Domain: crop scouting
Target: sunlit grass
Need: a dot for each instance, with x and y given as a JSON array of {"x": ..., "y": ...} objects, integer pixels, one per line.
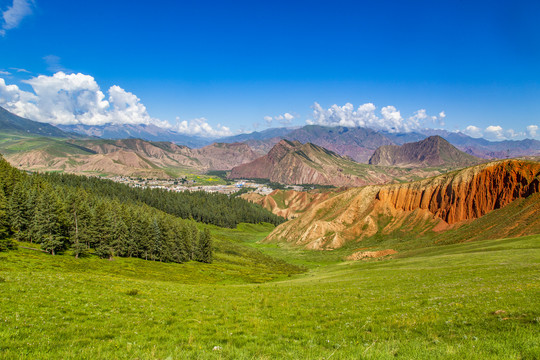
[{"x": 472, "y": 301}]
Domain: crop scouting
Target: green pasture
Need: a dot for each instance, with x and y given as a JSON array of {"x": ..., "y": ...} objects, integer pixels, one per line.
[{"x": 478, "y": 300}]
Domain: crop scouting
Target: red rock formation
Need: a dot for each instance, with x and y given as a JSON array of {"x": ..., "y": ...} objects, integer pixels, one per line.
[
  {"x": 468, "y": 195},
  {"x": 415, "y": 208}
]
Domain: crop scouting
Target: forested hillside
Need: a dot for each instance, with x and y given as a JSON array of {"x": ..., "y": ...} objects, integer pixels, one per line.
[
  {"x": 209, "y": 208},
  {"x": 41, "y": 209}
]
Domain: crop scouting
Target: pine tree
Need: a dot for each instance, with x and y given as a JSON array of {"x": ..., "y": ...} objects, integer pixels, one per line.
[
  {"x": 120, "y": 236},
  {"x": 47, "y": 223},
  {"x": 157, "y": 244},
  {"x": 5, "y": 242},
  {"x": 103, "y": 224},
  {"x": 80, "y": 223},
  {"x": 205, "y": 247}
]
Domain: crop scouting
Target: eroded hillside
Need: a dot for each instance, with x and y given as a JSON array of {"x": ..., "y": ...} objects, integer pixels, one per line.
[{"x": 415, "y": 209}]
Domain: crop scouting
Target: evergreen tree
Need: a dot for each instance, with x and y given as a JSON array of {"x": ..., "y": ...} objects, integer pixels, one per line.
[
  {"x": 205, "y": 247},
  {"x": 47, "y": 223},
  {"x": 80, "y": 220},
  {"x": 120, "y": 236},
  {"x": 103, "y": 224},
  {"x": 5, "y": 242}
]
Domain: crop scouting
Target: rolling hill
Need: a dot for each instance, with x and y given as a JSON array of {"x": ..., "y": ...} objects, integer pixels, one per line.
[{"x": 432, "y": 151}]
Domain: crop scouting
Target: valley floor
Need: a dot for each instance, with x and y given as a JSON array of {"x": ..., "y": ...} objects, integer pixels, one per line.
[{"x": 477, "y": 300}]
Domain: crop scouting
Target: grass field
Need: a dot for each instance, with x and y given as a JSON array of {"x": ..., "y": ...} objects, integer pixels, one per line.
[{"x": 476, "y": 300}]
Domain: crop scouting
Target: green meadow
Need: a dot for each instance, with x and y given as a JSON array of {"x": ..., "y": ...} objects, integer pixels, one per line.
[{"x": 478, "y": 300}]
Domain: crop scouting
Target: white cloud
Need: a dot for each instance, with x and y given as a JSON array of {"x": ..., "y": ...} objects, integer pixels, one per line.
[
  {"x": 494, "y": 132},
  {"x": 15, "y": 13},
  {"x": 2, "y": 72},
  {"x": 200, "y": 127},
  {"x": 77, "y": 99},
  {"x": 74, "y": 99},
  {"x": 498, "y": 133},
  {"x": 532, "y": 130},
  {"x": 284, "y": 119},
  {"x": 17, "y": 101},
  {"x": 365, "y": 116},
  {"x": 473, "y": 131}
]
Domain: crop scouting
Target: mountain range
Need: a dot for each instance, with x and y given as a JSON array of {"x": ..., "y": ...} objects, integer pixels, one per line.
[
  {"x": 307, "y": 155},
  {"x": 139, "y": 131},
  {"x": 291, "y": 162},
  {"x": 354, "y": 142}
]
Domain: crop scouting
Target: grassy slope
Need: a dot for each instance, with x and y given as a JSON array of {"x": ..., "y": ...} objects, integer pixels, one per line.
[{"x": 439, "y": 303}]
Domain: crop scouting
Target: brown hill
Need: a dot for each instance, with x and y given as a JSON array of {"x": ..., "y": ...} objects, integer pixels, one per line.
[
  {"x": 221, "y": 156},
  {"x": 430, "y": 152},
  {"x": 505, "y": 191},
  {"x": 216, "y": 156},
  {"x": 129, "y": 157},
  {"x": 291, "y": 162}
]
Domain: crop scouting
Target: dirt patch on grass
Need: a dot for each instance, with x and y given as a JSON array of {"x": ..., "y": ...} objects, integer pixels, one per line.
[{"x": 361, "y": 255}]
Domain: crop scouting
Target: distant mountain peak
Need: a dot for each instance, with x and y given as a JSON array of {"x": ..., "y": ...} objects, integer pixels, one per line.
[{"x": 432, "y": 151}]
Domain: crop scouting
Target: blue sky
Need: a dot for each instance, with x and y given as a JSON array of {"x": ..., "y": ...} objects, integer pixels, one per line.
[{"x": 469, "y": 65}]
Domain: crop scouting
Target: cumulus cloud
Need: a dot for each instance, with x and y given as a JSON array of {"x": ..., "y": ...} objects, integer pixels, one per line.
[
  {"x": 473, "y": 131},
  {"x": 494, "y": 132},
  {"x": 365, "y": 115},
  {"x": 532, "y": 130},
  {"x": 14, "y": 14},
  {"x": 200, "y": 127},
  {"x": 498, "y": 133},
  {"x": 284, "y": 119},
  {"x": 74, "y": 99},
  {"x": 69, "y": 99}
]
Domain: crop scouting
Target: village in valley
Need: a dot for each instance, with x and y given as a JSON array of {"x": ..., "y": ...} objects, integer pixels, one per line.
[{"x": 181, "y": 185}]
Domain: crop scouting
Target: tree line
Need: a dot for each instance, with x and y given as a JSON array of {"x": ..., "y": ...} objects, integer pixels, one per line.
[
  {"x": 42, "y": 209},
  {"x": 210, "y": 208}
]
